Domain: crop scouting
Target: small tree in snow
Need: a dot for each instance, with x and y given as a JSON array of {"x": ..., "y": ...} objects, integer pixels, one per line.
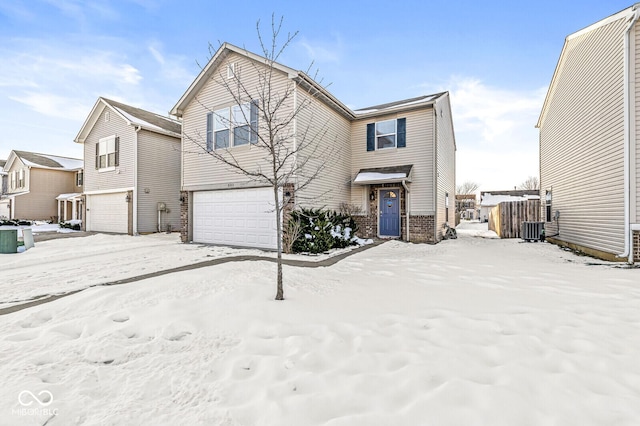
[{"x": 289, "y": 157}]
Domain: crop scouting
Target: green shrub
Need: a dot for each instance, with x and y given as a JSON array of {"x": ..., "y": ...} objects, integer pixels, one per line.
[{"x": 320, "y": 230}]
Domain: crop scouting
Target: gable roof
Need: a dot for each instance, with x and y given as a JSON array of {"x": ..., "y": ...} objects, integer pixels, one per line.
[
  {"x": 136, "y": 117},
  {"x": 627, "y": 13},
  {"x": 45, "y": 161},
  {"x": 402, "y": 105},
  {"x": 225, "y": 50}
]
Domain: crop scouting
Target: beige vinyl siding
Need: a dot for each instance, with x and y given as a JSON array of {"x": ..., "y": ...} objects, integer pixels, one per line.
[
  {"x": 635, "y": 142},
  {"x": 201, "y": 170},
  {"x": 582, "y": 140},
  {"x": 419, "y": 152},
  {"x": 159, "y": 173},
  {"x": 123, "y": 175},
  {"x": 446, "y": 165},
  {"x": 325, "y": 136},
  {"x": 45, "y": 185},
  {"x": 13, "y": 186}
]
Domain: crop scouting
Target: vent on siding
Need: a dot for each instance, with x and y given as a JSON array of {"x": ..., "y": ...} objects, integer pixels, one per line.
[
  {"x": 106, "y": 116},
  {"x": 231, "y": 70}
]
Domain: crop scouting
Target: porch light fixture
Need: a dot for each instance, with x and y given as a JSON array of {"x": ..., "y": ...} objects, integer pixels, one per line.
[
  {"x": 372, "y": 195},
  {"x": 127, "y": 198}
]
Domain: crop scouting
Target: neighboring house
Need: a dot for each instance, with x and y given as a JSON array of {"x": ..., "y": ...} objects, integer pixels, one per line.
[
  {"x": 35, "y": 181},
  {"x": 590, "y": 141},
  {"x": 4, "y": 206},
  {"x": 394, "y": 162},
  {"x": 132, "y": 173},
  {"x": 466, "y": 206},
  {"x": 490, "y": 199}
]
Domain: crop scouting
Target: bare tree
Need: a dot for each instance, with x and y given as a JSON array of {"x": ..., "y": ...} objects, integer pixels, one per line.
[
  {"x": 290, "y": 157},
  {"x": 531, "y": 182},
  {"x": 467, "y": 188}
]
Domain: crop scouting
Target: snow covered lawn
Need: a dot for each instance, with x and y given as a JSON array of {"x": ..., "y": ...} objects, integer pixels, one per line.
[{"x": 473, "y": 331}]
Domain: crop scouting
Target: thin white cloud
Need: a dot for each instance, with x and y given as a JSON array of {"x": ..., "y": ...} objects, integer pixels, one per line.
[
  {"x": 322, "y": 51},
  {"x": 53, "y": 105},
  {"x": 157, "y": 55}
]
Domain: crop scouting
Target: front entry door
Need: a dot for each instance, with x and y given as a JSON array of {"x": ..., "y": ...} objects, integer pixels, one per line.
[{"x": 390, "y": 213}]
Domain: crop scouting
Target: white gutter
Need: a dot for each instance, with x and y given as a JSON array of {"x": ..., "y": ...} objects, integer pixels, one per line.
[
  {"x": 407, "y": 206},
  {"x": 135, "y": 181},
  {"x": 627, "y": 135}
]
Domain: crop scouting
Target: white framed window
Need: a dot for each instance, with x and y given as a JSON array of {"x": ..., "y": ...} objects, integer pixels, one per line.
[
  {"x": 386, "y": 134},
  {"x": 221, "y": 124},
  {"x": 21, "y": 182},
  {"x": 79, "y": 178},
  {"x": 232, "y": 126},
  {"x": 549, "y": 217},
  {"x": 231, "y": 70},
  {"x": 107, "y": 153}
]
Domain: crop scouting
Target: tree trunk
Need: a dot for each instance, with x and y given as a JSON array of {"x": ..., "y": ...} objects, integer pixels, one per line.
[{"x": 280, "y": 291}]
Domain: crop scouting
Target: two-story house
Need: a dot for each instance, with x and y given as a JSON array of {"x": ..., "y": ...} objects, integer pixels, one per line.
[
  {"x": 590, "y": 141},
  {"x": 132, "y": 173},
  {"x": 394, "y": 162},
  {"x": 4, "y": 205},
  {"x": 35, "y": 181}
]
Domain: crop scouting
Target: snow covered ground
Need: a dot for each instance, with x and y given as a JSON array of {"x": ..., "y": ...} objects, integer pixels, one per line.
[{"x": 472, "y": 331}]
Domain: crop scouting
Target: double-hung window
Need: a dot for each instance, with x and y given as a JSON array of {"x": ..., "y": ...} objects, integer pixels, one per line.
[
  {"x": 107, "y": 153},
  {"x": 386, "y": 134},
  {"x": 79, "y": 178},
  {"x": 232, "y": 126},
  {"x": 548, "y": 215}
]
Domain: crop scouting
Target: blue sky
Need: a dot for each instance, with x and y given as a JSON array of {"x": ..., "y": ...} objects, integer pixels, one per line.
[{"x": 496, "y": 59}]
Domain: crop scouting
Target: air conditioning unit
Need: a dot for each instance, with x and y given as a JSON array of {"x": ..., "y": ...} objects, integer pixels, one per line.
[{"x": 533, "y": 231}]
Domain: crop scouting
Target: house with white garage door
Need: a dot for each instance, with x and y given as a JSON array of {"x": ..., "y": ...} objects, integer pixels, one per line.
[
  {"x": 393, "y": 162},
  {"x": 132, "y": 169}
]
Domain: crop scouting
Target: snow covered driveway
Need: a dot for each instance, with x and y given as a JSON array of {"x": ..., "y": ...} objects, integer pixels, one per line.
[{"x": 471, "y": 331}]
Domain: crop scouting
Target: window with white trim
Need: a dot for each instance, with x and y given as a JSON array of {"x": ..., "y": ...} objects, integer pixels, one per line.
[
  {"x": 21, "y": 182},
  {"x": 232, "y": 126},
  {"x": 386, "y": 134},
  {"x": 548, "y": 215},
  {"x": 79, "y": 178},
  {"x": 107, "y": 153}
]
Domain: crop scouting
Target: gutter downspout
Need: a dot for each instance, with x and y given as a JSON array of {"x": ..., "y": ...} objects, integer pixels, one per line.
[
  {"x": 407, "y": 207},
  {"x": 135, "y": 181},
  {"x": 627, "y": 135}
]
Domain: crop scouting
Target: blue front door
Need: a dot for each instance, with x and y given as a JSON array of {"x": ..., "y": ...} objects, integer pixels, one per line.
[{"x": 390, "y": 213}]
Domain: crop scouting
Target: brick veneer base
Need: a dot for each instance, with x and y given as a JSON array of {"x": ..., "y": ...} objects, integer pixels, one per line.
[
  {"x": 421, "y": 228},
  {"x": 636, "y": 246},
  {"x": 184, "y": 216}
]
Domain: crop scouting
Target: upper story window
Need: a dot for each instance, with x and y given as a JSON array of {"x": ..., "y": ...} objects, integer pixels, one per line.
[
  {"x": 79, "y": 178},
  {"x": 386, "y": 134},
  {"x": 18, "y": 179},
  {"x": 232, "y": 126},
  {"x": 108, "y": 153}
]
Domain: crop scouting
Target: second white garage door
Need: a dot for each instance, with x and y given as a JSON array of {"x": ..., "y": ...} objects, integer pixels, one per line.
[
  {"x": 235, "y": 217},
  {"x": 108, "y": 213}
]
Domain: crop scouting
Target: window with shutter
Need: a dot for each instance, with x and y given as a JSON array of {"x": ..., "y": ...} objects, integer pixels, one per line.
[
  {"x": 232, "y": 126},
  {"x": 386, "y": 134},
  {"x": 108, "y": 153}
]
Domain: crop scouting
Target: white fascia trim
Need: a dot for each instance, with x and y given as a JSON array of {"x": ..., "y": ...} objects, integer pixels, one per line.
[
  {"x": 108, "y": 191},
  {"x": 635, "y": 226},
  {"x": 606, "y": 21}
]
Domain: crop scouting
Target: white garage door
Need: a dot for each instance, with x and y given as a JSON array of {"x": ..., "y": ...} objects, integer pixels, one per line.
[
  {"x": 108, "y": 213},
  {"x": 236, "y": 217}
]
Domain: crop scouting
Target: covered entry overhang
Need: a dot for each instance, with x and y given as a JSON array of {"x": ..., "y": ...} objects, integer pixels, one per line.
[
  {"x": 63, "y": 199},
  {"x": 380, "y": 175}
]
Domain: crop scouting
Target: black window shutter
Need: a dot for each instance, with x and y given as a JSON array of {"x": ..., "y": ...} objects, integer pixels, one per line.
[
  {"x": 209, "y": 132},
  {"x": 402, "y": 132},
  {"x": 97, "y": 155},
  {"x": 371, "y": 137},
  {"x": 254, "y": 122},
  {"x": 117, "y": 154}
]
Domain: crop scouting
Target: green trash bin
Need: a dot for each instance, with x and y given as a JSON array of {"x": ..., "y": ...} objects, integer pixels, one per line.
[{"x": 8, "y": 241}]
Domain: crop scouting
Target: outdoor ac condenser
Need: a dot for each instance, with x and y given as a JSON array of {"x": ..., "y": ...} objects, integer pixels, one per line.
[{"x": 533, "y": 231}]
